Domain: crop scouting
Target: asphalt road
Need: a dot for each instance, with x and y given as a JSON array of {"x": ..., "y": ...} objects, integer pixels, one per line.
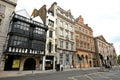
[{"x": 71, "y": 75}]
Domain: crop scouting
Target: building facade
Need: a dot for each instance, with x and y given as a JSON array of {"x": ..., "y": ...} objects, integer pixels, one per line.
[
  {"x": 84, "y": 44},
  {"x": 25, "y": 43},
  {"x": 6, "y": 9},
  {"x": 64, "y": 41},
  {"x": 50, "y": 41},
  {"x": 106, "y": 50}
]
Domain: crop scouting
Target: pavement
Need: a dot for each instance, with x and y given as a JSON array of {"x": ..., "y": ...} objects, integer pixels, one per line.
[{"x": 22, "y": 73}]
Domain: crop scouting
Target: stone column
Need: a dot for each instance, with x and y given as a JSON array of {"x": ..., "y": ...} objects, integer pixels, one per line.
[
  {"x": 43, "y": 63},
  {"x": 37, "y": 64},
  {"x": 22, "y": 60},
  {"x": 54, "y": 63}
]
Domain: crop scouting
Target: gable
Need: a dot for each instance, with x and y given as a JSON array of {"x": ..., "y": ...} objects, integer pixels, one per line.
[
  {"x": 23, "y": 12},
  {"x": 101, "y": 38}
]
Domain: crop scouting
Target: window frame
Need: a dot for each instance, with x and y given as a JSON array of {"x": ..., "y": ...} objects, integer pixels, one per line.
[{"x": 50, "y": 34}]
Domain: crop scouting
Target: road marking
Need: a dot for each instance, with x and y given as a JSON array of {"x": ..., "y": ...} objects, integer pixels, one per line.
[
  {"x": 72, "y": 78},
  {"x": 88, "y": 77},
  {"x": 98, "y": 73}
]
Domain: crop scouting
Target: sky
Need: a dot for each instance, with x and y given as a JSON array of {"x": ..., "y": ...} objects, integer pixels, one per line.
[{"x": 103, "y": 16}]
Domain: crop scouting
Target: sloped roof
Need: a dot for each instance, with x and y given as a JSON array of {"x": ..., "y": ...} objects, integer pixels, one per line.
[
  {"x": 101, "y": 38},
  {"x": 38, "y": 19},
  {"x": 23, "y": 12}
]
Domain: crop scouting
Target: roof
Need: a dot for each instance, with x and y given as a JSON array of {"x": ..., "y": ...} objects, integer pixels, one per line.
[{"x": 23, "y": 12}]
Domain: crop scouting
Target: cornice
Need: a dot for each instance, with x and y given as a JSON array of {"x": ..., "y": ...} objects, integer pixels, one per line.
[
  {"x": 65, "y": 18},
  {"x": 9, "y": 2}
]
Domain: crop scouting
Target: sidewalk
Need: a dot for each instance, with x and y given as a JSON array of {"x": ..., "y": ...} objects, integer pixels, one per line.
[{"x": 22, "y": 73}]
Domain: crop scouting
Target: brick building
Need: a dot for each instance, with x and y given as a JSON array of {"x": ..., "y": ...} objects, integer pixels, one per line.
[{"x": 84, "y": 44}]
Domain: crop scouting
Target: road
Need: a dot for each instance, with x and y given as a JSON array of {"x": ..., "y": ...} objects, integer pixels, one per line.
[{"x": 92, "y": 74}]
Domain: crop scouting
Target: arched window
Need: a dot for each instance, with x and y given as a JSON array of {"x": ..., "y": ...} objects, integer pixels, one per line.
[
  {"x": 86, "y": 59},
  {"x": 50, "y": 46},
  {"x": 82, "y": 57}
]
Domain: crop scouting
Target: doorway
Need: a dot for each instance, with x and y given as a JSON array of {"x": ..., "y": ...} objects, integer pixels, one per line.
[{"x": 30, "y": 64}]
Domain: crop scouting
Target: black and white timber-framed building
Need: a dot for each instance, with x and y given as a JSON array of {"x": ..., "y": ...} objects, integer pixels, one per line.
[{"x": 25, "y": 44}]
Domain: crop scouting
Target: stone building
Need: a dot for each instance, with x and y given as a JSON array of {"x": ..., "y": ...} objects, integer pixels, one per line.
[
  {"x": 107, "y": 51},
  {"x": 84, "y": 44},
  {"x": 25, "y": 43},
  {"x": 6, "y": 9},
  {"x": 48, "y": 18},
  {"x": 64, "y": 36},
  {"x": 50, "y": 40}
]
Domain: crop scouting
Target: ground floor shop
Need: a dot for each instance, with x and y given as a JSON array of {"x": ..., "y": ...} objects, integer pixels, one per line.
[
  {"x": 22, "y": 62},
  {"x": 67, "y": 59},
  {"x": 85, "y": 59},
  {"x": 50, "y": 62}
]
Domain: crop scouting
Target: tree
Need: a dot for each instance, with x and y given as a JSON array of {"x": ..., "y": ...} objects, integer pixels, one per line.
[{"x": 118, "y": 59}]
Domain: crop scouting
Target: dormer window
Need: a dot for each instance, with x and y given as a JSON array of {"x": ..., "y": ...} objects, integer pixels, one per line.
[
  {"x": 51, "y": 23},
  {"x": 51, "y": 13}
]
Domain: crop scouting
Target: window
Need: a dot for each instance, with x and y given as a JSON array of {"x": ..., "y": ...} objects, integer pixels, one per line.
[
  {"x": 61, "y": 56},
  {"x": 81, "y": 43},
  {"x": 21, "y": 25},
  {"x": 82, "y": 57},
  {"x": 71, "y": 28},
  {"x": 80, "y": 37},
  {"x": 84, "y": 45},
  {"x": 66, "y": 26},
  {"x": 51, "y": 13},
  {"x": 80, "y": 28},
  {"x": 38, "y": 45},
  {"x": 61, "y": 32},
  {"x": 67, "y": 59},
  {"x": 50, "y": 46},
  {"x": 51, "y": 23},
  {"x": 18, "y": 41},
  {"x": 76, "y": 37},
  {"x": 66, "y": 45},
  {"x": 83, "y": 30},
  {"x": 66, "y": 34},
  {"x": 77, "y": 44},
  {"x": 61, "y": 23},
  {"x": 61, "y": 44},
  {"x": 71, "y": 35},
  {"x": 50, "y": 34},
  {"x": 71, "y": 46},
  {"x": 39, "y": 30},
  {"x": 88, "y": 46},
  {"x": 86, "y": 57},
  {"x": 2, "y": 9}
]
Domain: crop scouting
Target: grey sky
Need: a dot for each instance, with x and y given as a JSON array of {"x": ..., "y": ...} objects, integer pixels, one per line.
[{"x": 103, "y": 16}]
